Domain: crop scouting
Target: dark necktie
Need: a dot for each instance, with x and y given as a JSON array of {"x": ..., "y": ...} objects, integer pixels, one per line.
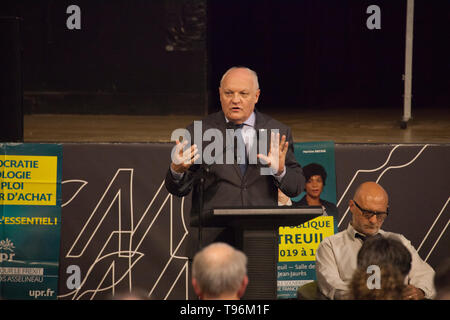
[
  {"x": 364, "y": 238},
  {"x": 360, "y": 236},
  {"x": 240, "y": 141}
]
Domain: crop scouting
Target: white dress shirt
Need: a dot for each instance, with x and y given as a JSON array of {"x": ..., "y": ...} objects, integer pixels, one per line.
[{"x": 336, "y": 261}]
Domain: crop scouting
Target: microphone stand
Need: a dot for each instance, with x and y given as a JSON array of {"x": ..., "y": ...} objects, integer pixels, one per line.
[
  {"x": 204, "y": 170},
  {"x": 200, "y": 174}
]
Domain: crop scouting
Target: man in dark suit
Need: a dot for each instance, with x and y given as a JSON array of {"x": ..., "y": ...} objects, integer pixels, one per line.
[{"x": 240, "y": 183}]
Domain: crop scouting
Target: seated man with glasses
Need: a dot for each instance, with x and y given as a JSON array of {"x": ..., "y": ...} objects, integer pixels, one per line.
[{"x": 336, "y": 255}]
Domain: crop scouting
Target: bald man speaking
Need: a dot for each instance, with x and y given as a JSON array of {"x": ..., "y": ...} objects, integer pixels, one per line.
[
  {"x": 242, "y": 182},
  {"x": 336, "y": 256}
]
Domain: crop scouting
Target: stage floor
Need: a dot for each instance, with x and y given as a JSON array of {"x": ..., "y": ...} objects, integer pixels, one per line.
[{"x": 340, "y": 126}]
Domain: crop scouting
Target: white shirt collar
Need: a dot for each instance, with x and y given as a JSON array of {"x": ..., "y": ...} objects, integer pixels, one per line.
[
  {"x": 249, "y": 122},
  {"x": 352, "y": 231}
]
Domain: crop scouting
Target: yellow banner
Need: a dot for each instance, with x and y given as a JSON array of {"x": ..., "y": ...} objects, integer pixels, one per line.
[
  {"x": 300, "y": 243},
  {"x": 28, "y": 180}
]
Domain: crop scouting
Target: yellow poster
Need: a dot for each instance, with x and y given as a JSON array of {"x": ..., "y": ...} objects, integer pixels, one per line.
[
  {"x": 28, "y": 180},
  {"x": 300, "y": 243}
]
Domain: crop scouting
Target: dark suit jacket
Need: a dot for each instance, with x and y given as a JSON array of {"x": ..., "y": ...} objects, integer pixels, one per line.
[{"x": 224, "y": 185}]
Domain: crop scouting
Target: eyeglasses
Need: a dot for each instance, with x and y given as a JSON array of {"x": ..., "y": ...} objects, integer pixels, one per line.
[{"x": 368, "y": 214}]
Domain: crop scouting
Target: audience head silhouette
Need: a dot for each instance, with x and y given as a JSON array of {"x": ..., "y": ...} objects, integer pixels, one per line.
[{"x": 219, "y": 272}]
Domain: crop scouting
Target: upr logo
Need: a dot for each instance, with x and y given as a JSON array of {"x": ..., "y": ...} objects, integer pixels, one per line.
[
  {"x": 6, "y": 245},
  {"x": 41, "y": 293}
]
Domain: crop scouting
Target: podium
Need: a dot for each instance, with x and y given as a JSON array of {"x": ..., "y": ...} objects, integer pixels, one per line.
[{"x": 256, "y": 234}]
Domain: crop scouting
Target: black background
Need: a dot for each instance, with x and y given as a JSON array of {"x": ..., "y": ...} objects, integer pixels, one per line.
[
  {"x": 320, "y": 54},
  {"x": 308, "y": 53}
]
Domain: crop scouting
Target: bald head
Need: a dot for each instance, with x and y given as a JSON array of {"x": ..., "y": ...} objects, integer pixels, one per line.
[
  {"x": 241, "y": 71},
  {"x": 217, "y": 254},
  {"x": 219, "y": 269},
  {"x": 369, "y": 196},
  {"x": 371, "y": 193},
  {"x": 239, "y": 93}
]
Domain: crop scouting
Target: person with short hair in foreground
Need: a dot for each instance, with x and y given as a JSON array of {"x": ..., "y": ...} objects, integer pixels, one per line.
[
  {"x": 442, "y": 280},
  {"x": 219, "y": 272},
  {"x": 383, "y": 264}
]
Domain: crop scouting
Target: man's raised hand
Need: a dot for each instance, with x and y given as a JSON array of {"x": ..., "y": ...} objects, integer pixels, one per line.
[
  {"x": 277, "y": 153},
  {"x": 183, "y": 159}
]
